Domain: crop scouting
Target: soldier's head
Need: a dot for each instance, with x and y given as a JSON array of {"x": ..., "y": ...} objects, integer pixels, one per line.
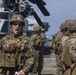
[
  {"x": 70, "y": 24},
  {"x": 63, "y": 27},
  {"x": 37, "y": 28},
  {"x": 17, "y": 22}
]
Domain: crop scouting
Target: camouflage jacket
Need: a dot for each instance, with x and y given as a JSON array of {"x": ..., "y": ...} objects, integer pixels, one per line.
[
  {"x": 69, "y": 55},
  {"x": 69, "y": 49},
  {"x": 38, "y": 41},
  {"x": 56, "y": 42},
  {"x": 22, "y": 47}
]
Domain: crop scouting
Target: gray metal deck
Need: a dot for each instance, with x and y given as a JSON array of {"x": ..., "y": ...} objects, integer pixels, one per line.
[{"x": 49, "y": 65}]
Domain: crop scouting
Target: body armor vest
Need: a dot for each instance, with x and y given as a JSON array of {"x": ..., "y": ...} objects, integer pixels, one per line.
[{"x": 13, "y": 53}]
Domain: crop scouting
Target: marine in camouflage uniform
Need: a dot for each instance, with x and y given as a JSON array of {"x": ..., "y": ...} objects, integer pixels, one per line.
[
  {"x": 57, "y": 44},
  {"x": 69, "y": 50},
  {"x": 38, "y": 45},
  {"x": 16, "y": 51}
]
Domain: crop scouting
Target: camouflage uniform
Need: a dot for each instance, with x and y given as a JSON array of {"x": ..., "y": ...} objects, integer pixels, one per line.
[
  {"x": 69, "y": 55},
  {"x": 38, "y": 44},
  {"x": 16, "y": 53},
  {"x": 69, "y": 50},
  {"x": 57, "y": 43}
]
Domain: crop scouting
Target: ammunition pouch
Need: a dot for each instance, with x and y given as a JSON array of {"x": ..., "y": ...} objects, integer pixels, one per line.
[
  {"x": 12, "y": 60},
  {"x": 7, "y": 60},
  {"x": 9, "y": 48}
]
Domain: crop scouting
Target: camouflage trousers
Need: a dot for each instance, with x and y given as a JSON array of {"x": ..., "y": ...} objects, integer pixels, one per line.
[
  {"x": 60, "y": 66},
  {"x": 38, "y": 63},
  {"x": 35, "y": 68}
]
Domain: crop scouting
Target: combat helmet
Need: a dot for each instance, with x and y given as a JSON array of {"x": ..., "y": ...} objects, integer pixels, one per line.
[
  {"x": 70, "y": 24},
  {"x": 17, "y": 18},
  {"x": 64, "y": 26},
  {"x": 37, "y": 28}
]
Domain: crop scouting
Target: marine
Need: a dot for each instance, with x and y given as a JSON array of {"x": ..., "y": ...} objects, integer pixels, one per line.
[
  {"x": 57, "y": 44},
  {"x": 38, "y": 45},
  {"x": 16, "y": 50},
  {"x": 69, "y": 51}
]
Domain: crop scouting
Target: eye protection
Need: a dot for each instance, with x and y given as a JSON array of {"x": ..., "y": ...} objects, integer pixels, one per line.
[{"x": 17, "y": 23}]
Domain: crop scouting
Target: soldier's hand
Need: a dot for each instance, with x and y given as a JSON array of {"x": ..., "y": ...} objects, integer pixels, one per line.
[{"x": 21, "y": 72}]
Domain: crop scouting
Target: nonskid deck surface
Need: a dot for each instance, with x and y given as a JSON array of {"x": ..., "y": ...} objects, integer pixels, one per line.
[{"x": 49, "y": 65}]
